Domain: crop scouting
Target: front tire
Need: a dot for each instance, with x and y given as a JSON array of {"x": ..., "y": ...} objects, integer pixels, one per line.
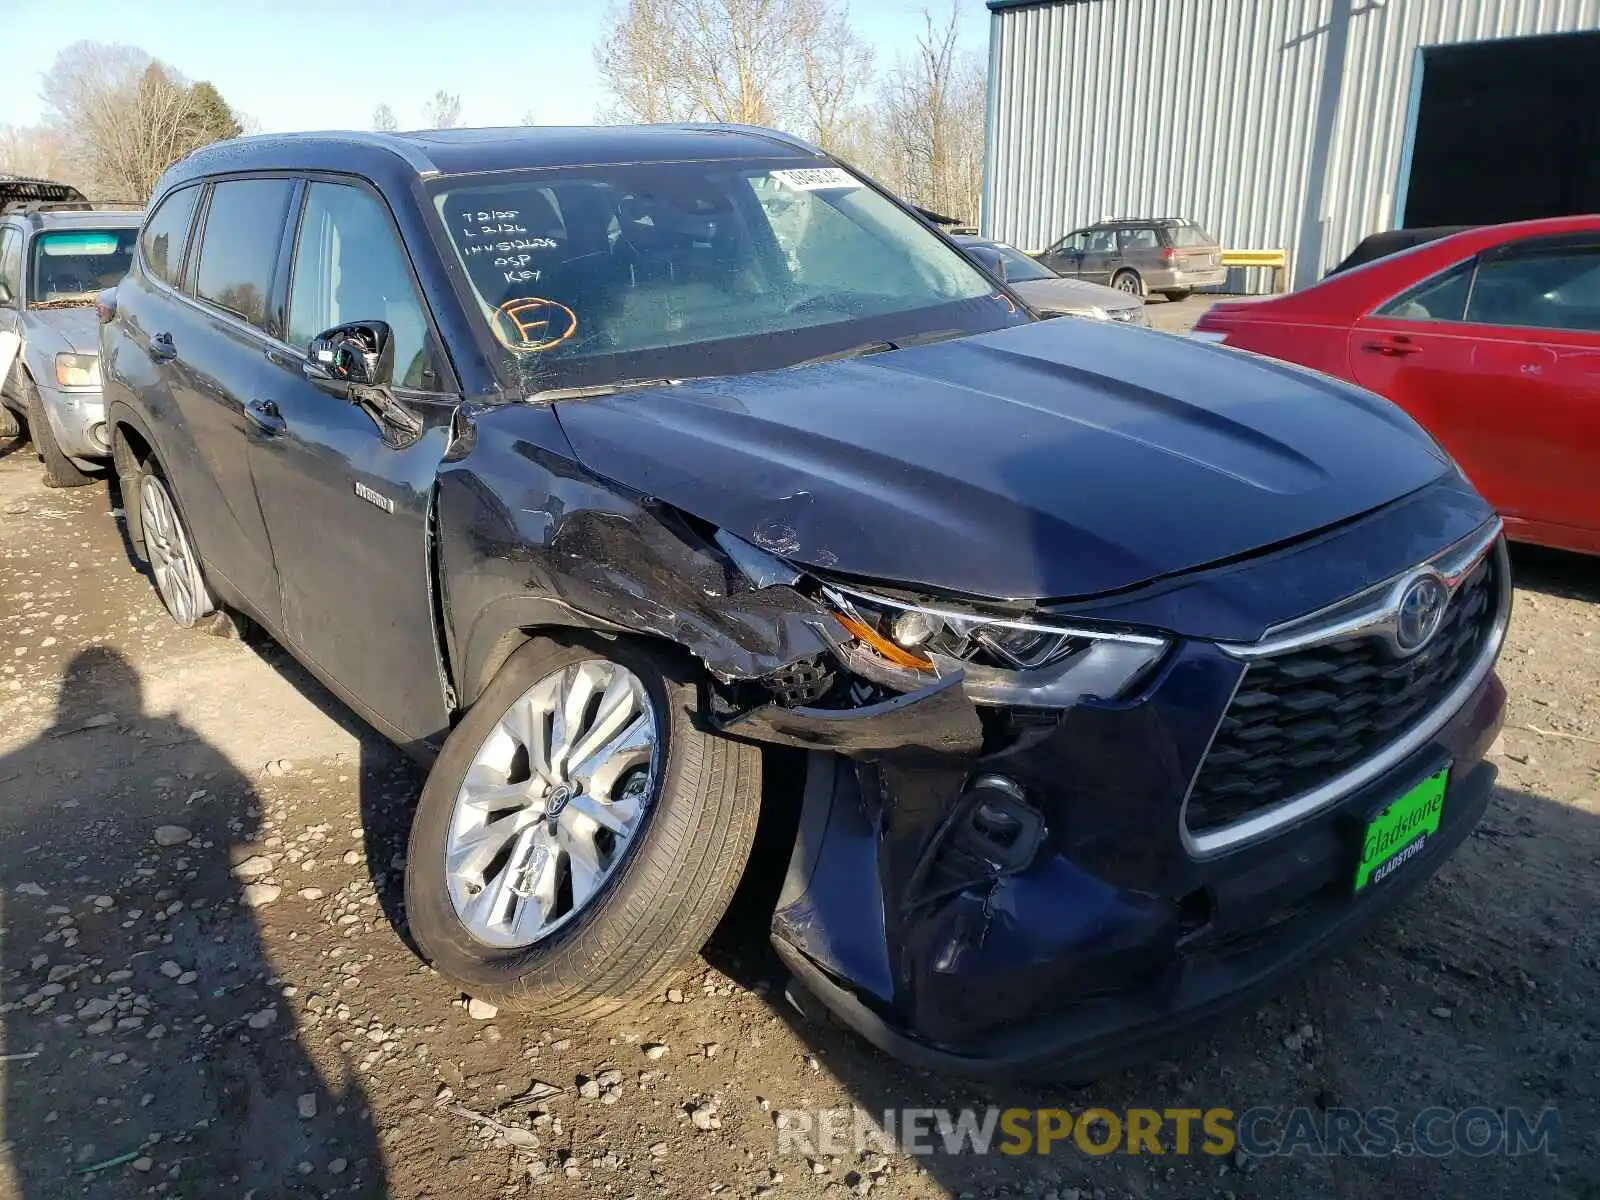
[
  {"x": 59, "y": 470},
  {"x": 579, "y": 837}
]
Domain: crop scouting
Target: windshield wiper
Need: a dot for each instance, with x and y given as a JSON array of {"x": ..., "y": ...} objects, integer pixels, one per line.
[
  {"x": 551, "y": 395},
  {"x": 883, "y": 346}
]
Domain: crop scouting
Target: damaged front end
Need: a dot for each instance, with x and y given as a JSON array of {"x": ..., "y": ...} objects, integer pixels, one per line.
[
  {"x": 998, "y": 867},
  {"x": 935, "y": 895}
]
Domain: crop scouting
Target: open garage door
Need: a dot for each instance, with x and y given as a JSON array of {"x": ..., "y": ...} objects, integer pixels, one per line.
[{"x": 1506, "y": 131}]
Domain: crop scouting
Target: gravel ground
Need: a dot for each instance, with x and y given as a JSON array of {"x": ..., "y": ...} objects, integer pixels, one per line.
[{"x": 206, "y": 990}]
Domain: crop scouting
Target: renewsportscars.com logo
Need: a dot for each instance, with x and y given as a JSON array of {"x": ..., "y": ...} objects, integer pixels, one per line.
[{"x": 1258, "y": 1132}]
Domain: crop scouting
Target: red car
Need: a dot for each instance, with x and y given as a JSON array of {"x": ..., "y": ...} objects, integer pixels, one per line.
[{"x": 1490, "y": 339}]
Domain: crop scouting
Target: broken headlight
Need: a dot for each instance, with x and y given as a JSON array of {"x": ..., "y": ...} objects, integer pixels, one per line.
[{"x": 1006, "y": 661}]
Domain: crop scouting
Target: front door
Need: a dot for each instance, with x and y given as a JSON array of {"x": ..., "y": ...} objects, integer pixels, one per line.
[
  {"x": 1501, "y": 362},
  {"x": 10, "y": 302},
  {"x": 1064, "y": 257},
  {"x": 346, "y": 498}
]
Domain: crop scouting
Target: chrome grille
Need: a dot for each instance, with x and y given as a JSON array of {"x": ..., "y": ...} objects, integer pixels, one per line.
[{"x": 1304, "y": 717}]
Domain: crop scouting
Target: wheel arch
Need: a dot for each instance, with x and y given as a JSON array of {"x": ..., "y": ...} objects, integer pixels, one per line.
[{"x": 131, "y": 447}]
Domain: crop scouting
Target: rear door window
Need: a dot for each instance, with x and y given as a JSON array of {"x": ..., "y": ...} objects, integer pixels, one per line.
[
  {"x": 1138, "y": 239},
  {"x": 1441, "y": 298},
  {"x": 239, "y": 248},
  {"x": 165, "y": 234}
]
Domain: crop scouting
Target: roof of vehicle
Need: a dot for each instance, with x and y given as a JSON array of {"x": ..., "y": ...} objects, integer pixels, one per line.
[
  {"x": 41, "y": 219},
  {"x": 435, "y": 152},
  {"x": 1125, "y": 222}
]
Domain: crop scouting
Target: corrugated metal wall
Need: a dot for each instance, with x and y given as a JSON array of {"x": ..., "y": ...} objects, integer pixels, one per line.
[{"x": 1275, "y": 123}]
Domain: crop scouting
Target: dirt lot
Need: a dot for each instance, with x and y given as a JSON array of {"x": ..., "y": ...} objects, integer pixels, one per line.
[{"x": 207, "y": 991}]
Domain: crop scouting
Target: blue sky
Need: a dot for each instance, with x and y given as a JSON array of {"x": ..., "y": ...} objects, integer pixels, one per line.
[{"x": 322, "y": 64}]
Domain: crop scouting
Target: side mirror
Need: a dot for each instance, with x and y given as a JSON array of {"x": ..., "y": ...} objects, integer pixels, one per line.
[
  {"x": 6, "y": 298},
  {"x": 361, "y": 352},
  {"x": 1000, "y": 268}
]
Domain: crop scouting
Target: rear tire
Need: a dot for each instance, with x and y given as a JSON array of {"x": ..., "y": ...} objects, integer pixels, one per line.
[
  {"x": 1176, "y": 294},
  {"x": 10, "y": 427},
  {"x": 174, "y": 563},
  {"x": 650, "y": 906},
  {"x": 1129, "y": 282},
  {"x": 59, "y": 470}
]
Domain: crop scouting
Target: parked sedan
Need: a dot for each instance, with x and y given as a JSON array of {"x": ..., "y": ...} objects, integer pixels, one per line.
[
  {"x": 1048, "y": 293},
  {"x": 1100, "y": 678},
  {"x": 54, "y": 259},
  {"x": 1490, "y": 338}
]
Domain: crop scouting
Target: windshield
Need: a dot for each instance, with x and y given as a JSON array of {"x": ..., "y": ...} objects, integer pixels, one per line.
[
  {"x": 71, "y": 266},
  {"x": 589, "y": 276}
]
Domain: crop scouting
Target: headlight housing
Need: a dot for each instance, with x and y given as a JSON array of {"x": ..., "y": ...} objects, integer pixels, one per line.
[
  {"x": 903, "y": 645},
  {"x": 78, "y": 370}
]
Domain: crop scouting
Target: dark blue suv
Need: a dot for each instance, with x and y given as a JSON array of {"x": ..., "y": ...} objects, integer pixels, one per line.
[{"x": 642, "y": 477}]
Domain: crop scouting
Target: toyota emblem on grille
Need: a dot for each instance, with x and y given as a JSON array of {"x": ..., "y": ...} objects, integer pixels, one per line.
[{"x": 1419, "y": 613}]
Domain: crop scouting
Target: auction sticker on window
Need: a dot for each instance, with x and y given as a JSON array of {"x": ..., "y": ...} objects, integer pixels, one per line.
[
  {"x": 816, "y": 179},
  {"x": 1397, "y": 834}
]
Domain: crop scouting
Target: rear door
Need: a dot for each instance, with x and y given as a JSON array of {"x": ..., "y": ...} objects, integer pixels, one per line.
[
  {"x": 1101, "y": 255},
  {"x": 212, "y": 348},
  {"x": 1500, "y": 359},
  {"x": 347, "y": 498}
]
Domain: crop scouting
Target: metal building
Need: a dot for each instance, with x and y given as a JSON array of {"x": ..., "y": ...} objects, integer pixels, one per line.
[{"x": 1295, "y": 124}]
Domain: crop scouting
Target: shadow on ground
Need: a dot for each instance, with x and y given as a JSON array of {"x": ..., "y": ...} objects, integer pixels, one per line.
[{"x": 148, "y": 1039}]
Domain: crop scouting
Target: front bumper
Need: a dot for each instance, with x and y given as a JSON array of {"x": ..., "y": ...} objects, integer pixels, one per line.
[
  {"x": 1117, "y": 934},
  {"x": 1145, "y": 975},
  {"x": 74, "y": 418}
]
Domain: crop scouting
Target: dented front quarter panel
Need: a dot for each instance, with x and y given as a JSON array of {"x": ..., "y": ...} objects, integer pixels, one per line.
[{"x": 530, "y": 540}]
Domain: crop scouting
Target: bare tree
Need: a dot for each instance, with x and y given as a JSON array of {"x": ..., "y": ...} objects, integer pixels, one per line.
[
  {"x": 932, "y": 113},
  {"x": 757, "y": 62},
  {"x": 126, "y": 117},
  {"x": 443, "y": 111},
  {"x": 43, "y": 151},
  {"x": 640, "y": 66},
  {"x": 383, "y": 119},
  {"x": 835, "y": 66}
]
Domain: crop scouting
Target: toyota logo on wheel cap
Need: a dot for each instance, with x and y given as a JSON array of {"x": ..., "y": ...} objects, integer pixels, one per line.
[{"x": 1419, "y": 613}]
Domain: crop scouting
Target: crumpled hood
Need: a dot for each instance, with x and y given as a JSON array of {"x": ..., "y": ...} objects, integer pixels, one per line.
[
  {"x": 76, "y": 329},
  {"x": 1051, "y": 460}
]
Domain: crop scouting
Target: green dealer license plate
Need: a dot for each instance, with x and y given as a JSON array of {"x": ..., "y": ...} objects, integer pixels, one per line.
[{"x": 1399, "y": 832}]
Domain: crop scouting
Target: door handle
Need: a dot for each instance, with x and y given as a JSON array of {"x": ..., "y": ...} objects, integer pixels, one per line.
[
  {"x": 1392, "y": 347},
  {"x": 161, "y": 347},
  {"x": 264, "y": 415}
]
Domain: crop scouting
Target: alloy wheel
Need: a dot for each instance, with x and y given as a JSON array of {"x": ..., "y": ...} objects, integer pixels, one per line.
[
  {"x": 172, "y": 561},
  {"x": 551, "y": 803}
]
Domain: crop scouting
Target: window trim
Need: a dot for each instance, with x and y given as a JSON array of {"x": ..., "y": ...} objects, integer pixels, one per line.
[
  {"x": 145, "y": 268},
  {"x": 446, "y": 381}
]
